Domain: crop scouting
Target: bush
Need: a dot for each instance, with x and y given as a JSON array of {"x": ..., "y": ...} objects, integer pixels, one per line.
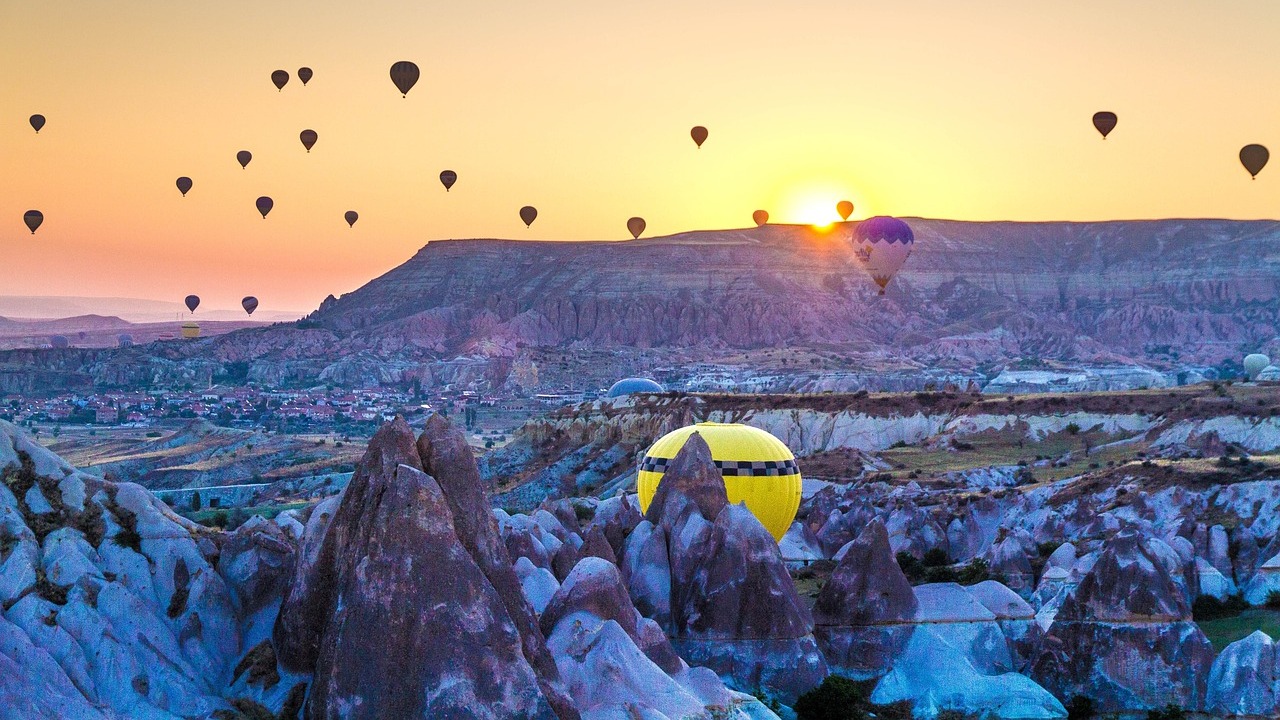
[
  {"x": 1170, "y": 712},
  {"x": 1081, "y": 708},
  {"x": 1208, "y": 607},
  {"x": 836, "y": 698},
  {"x": 1273, "y": 600},
  {"x": 936, "y": 557}
]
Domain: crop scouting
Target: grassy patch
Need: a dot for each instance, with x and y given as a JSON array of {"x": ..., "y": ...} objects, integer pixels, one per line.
[
  {"x": 1222, "y": 632},
  {"x": 269, "y": 511}
]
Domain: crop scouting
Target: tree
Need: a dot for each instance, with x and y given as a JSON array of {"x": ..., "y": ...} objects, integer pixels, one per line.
[{"x": 195, "y": 501}]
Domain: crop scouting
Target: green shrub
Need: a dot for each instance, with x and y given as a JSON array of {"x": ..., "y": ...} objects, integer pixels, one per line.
[
  {"x": 936, "y": 557},
  {"x": 837, "y": 698},
  {"x": 1208, "y": 607},
  {"x": 1170, "y": 712},
  {"x": 1081, "y": 708},
  {"x": 1273, "y": 600}
]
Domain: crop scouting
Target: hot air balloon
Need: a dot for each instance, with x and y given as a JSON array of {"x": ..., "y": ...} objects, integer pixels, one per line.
[
  {"x": 760, "y": 217},
  {"x": 279, "y": 78},
  {"x": 882, "y": 244},
  {"x": 60, "y": 342},
  {"x": 1254, "y": 364},
  {"x": 243, "y": 157},
  {"x": 1105, "y": 122},
  {"x": 192, "y": 302},
  {"x": 308, "y": 138},
  {"x": 1254, "y": 158},
  {"x": 190, "y": 330},
  {"x": 845, "y": 208},
  {"x": 757, "y": 468},
  {"x": 249, "y": 304},
  {"x": 264, "y": 205},
  {"x": 37, "y": 122},
  {"x": 184, "y": 185},
  {"x": 448, "y": 178},
  {"x": 33, "y": 218},
  {"x": 405, "y": 75},
  {"x": 124, "y": 340},
  {"x": 631, "y": 386},
  {"x": 635, "y": 226},
  {"x": 528, "y": 214},
  {"x": 304, "y": 74},
  {"x": 351, "y": 217},
  {"x": 699, "y": 134}
]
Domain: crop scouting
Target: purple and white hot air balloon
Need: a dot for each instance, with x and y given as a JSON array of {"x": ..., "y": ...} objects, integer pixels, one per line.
[{"x": 882, "y": 245}]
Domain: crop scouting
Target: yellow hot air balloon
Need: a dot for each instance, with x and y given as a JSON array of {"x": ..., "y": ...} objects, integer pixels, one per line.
[
  {"x": 758, "y": 469},
  {"x": 190, "y": 330}
]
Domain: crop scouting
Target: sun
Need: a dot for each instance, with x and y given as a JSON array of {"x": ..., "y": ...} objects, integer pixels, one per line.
[{"x": 818, "y": 212}]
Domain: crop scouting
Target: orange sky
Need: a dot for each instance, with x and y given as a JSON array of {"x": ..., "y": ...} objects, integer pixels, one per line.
[{"x": 976, "y": 110}]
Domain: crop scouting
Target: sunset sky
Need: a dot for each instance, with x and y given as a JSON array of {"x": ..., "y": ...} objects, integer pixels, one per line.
[{"x": 582, "y": 108}]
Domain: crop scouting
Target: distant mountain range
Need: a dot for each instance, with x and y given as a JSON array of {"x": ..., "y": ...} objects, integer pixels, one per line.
[
  {"x": 135, "y": 310},
  {"x": 1167, "y": 293}
]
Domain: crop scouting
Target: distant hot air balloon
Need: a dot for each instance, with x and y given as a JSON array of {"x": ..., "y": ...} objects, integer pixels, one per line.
[
  {"x": 243, "y": 157},
  {"x": 60, "y": 342},
  {"x": 882, "y": 244},
  {"x": 845, "y": 208},
  {"x": 192, "y": 302},
  {"x": 264, "y": 205},
  {"x": 37, "y": 122},
  {"x": 760, "y": 217},
  {"x": 304, "y": 74},
  {"x": 528, "y": 214},
  {"x": 699, "y": 134},
  {"x": 635, "y": 226},
  {"x": 249, "y": 304},
  {"x": 448, "y": 178},
  {"x": 184, "y": 185},
  {"x": 308, "y": 138},
  {"x": 280, "y": 78},
  {"x": 190, "y": 330},
  {"x": 1254, "y": 158},
  {"x": 124, "y": 340},
  {"x": 1105, "y": 122},
  {"x": 405, "y": 75},
  {"x": 351, "y": 217},
  {"x": 33, "y": 218}
]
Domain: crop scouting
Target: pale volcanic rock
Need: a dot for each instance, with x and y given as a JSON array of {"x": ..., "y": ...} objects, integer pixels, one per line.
[{"x": 1243, "y": 678}]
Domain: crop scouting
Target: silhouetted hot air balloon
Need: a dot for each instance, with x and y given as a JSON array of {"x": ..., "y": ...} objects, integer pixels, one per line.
[
  {"x": 33, "y": 218},
  {"x": 37, "y": 122},
  {"x": 304, "y": 74},
  {"x": 60, "y": 342},
  {"x": 760, "y": 217},
  {"x": 882, "y": 244},
  {"x": 192, "y": 302},
  {"x": 635, "y": 226},
  {"x": 280, "y": 78},
  {"x": 249, "y": 304},
  {"x": 528, "y": 214},
  {"x": 1254, "y": 158},
  {"x": 264, "y": 205},
  {"x": 699, "y": 134},
  {"x": 1105, "y": 122},
  {"x": 351, "y": 217},
  {"x": 243, "y": 157},
  {"x": 184, "y": 185},
  {"x": 308, "y": 138},
  {"x": 405, "y": 75},
  {"x": 448, "y": 178},
  {"x": 845, "y": 208}
]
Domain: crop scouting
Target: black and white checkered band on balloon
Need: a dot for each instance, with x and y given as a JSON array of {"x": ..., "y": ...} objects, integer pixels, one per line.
[{"x": 732, "y": 468}]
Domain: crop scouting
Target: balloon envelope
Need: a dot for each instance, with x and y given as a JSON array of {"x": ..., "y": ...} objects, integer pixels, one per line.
[
  {"x": 635, "y": 226},
  {"x": 249, "y": 304},
  {"x": 351, "y": 216},
  {"x": 448, "y": 178},
  {"x": 308, "y": 138},
  {"x": 279, "y": 78},
  {"x": 1254, "y": 158},
  {"x": 60, "y": 341},
  {"x": 37, "y": 122},
  {"x": 405, "y": 75},
  {"x": 882, "y": 244},
  {"x": 699, "y": 134},
  {"x": 1105, "y": 122},
  {"x": 845, "y": 208},
  {"x": 757, "y": 469},
  {"x": 184, "y": 185},
  {"x": 243, "y": 157},
  {"x": 760, "y": 217},
  {"x": 528, "y": 214},
  {"x": 33, "y": 218},
  {"x": 304, "y": 74},
  {"x": 192, "y": 302},
  {"x": 1254, "y": 364},
  {"x": 264, "y": 205}
]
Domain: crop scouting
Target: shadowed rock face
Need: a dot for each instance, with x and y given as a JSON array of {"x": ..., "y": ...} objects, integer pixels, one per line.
[
  {"x": 1124, "y": 636},
  {"x": 454, "y": 648},
  {"x": 692, "y": 475}
]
